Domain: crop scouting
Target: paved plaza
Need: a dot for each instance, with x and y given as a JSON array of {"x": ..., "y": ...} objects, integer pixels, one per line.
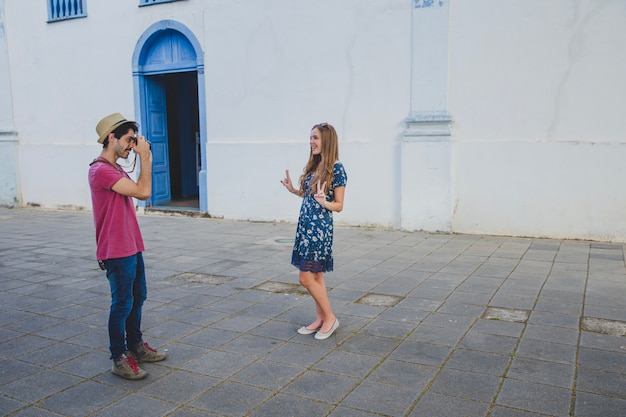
[{"x": 434, "y": 325}]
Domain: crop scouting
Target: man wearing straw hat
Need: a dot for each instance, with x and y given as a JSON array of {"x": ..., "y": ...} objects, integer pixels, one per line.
[{"x": 119, "y": 241}]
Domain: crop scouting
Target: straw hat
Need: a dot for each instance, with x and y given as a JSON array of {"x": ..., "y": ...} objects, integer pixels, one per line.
[{"x": 109, "y": 124}]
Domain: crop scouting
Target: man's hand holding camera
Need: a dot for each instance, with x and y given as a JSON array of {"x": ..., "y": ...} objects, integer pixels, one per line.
[{"x": 142, "y": 146}]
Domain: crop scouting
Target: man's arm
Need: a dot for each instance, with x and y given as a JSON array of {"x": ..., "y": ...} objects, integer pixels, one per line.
[{"x": 142, "y": 189}]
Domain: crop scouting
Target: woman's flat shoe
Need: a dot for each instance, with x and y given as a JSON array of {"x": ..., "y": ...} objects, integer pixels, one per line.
[
  {"x": 304, "y": 330},
  {"x": 322, "y": 336}
]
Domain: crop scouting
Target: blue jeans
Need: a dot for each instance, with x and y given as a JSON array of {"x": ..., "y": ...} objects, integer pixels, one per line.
[{"x": 127, "y": 279}]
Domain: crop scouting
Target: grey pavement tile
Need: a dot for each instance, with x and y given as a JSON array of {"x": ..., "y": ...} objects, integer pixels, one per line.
[
  {"x": 481, "y": 362},
  {"x": 547, "y": 351},
  {"x": 36, "y": 386},
  {"x": 403, "y": 374},
  {"x": 322, "y": 386},
  {"x": 436, "y": 405},
  {"x": 74, "y": 312},
  {"x": 449, "y": 321},
  {"x": 129, "y": 405},
  {"x": 10, "y": 315},
  {"x": 461, "y": 308},
  {"x": 468, "y": 385},
  {"x": 218, "y": 364},
  {"x": 403, "y": 315},
  {"x": 592, "y": 405},
  {"x": 232, "y": 399},
  {"x": 513, "y": 300},
  {"x": 602, "y": 341},
  {"x": 388, "y": 329},
  {"x": 536, "y": 398},
  {"x": 44, "y": 306},
  {"x": 227, "y": 305},
  {"x": 289, "y": 405},
  {"x": 180, "y": 387},
  {"x": 493, "y": 343},
  {"x": 276, "y": 329},
  {"x": 64, "y": 330},
  {"x": 83, "y": 399},
  {"x": 369, "y": 345},
  {"x": 96, "y": 338},
  {"x": 179, "y": 354},
  {"x": 552, "y": 319},
  {"x": 480, "y": 284},
  {"x": 437, "y": 335},
  {"x": 210, "y": 337},
  {"x": 348, "y": 363},
  {"x": 433, "y": 294},
  {"x": 22, "y": 345},
  {"x": 88, "y": 365},
  {"x": 264, "y": 310},
  {"x": 349, "y": 412},
  {"x": 499, "y": 327},
  {"x": 601, "y": 383},
  {"x": 170, "y": 330},
  {"x": 421, "y": 353},
  {"x": 258, "y": 373},
  {"x": 551, "y": 334},
  {"x": 298, "y": 354},
  {"x": 499, "y": 411},
  {"x": 606, "y": 312},
  {"x": 12, "y": 370},
  {"x": 252, "y": 345},
  {"x": 561, "y": 294},
  {"x": 34, "y": 324},
  {"x": 381, "y": 398},
  {"x": 55, "y": 354},
  {"x": 35, "y": 412},
  {"x": 191, "y": 412},
  {"x": 239, "y": 323},
  {"x": 6, "y": 335},
  {"x": 469, "y": 297},
  {"x": 9, "y": 405},
  {"x": 558, "y": 307},
  {"x": 419, "y": 304},
  {"x": 542, "y": 372},
  {"x": 201, "y": 316}
]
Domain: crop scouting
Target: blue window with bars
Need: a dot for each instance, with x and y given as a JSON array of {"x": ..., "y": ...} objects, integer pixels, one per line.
[
  {"x": 151, "y": 2},
  {"x": 66, "y": 9}
]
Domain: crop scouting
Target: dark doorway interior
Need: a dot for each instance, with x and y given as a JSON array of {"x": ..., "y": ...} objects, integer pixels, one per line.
[{"x": 181, "y": 92}]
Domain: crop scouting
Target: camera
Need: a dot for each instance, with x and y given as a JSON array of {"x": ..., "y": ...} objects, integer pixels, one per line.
[{"x": 135, "y": 142}]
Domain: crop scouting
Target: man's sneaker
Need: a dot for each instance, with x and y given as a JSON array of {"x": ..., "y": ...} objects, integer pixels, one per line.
[
  {"x": 144, "y": 353},
  {"x": 126, "y": 367}
]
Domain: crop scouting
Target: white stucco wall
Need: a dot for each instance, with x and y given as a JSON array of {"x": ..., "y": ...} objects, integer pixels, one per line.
[
  {"x": 538, "y": 97},
  {"x": 534, "y": 89}
]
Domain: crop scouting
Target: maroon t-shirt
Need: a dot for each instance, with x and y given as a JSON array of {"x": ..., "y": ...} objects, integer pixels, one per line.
[{"x": 117, "y": 230}]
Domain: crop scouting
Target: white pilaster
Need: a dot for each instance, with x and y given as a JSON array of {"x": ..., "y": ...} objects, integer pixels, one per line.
[
  {"x": 9, "y": 143},
  {"x": 426, "y": 149}
]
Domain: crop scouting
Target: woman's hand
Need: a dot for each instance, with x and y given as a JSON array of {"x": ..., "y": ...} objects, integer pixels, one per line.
[
  {"x": 320, "y": 195},
  {"x": 287, "y": 182}
]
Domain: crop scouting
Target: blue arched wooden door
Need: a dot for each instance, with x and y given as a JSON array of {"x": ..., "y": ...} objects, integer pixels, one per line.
[{"x": 167, "y": 70}]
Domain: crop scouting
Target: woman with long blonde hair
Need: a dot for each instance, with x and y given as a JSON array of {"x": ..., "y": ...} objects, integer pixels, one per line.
[{"x": 322, "y": 188}]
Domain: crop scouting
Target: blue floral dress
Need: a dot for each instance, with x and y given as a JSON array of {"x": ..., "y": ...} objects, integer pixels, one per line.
[{"x": 313, "y": 247}]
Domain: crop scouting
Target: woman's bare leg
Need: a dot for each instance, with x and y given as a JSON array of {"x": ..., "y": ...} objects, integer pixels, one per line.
[{"x": 315, "y": 284}]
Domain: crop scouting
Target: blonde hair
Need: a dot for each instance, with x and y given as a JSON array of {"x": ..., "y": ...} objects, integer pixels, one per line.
[{"x": 321, "y": 166}]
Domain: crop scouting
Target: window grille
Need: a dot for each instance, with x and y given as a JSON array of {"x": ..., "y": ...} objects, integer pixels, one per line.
[
  {"x": 151, "y": 2},
  {"x": 66, "y": 9}
]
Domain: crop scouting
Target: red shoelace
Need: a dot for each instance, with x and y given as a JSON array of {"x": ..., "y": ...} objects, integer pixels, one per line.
[
  {"x": 147, "y": 346},
  {"x": 132, "y": 362}
]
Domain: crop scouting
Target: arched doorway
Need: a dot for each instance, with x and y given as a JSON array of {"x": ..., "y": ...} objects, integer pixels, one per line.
[{"x": 168, "y": 73}]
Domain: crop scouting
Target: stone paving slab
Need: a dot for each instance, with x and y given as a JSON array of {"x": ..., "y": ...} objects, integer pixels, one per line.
[{"x": 431, "y": 324}]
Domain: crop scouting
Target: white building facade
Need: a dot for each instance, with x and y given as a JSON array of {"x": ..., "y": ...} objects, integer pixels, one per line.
[{"x": 466, "y": 116}]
